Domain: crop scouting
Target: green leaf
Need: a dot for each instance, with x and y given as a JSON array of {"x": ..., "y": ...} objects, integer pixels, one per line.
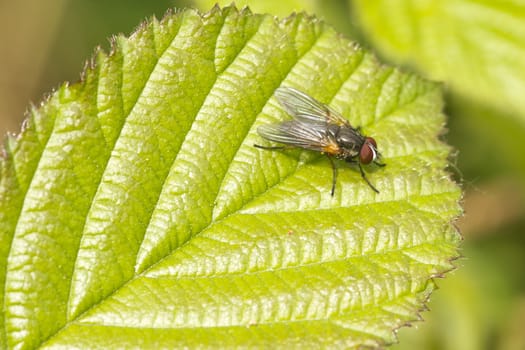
[
  {"x": 135, "y": 210},
  {"x": 476, "y": 46},
  {"x": 335, "y": 12},
  {"x": 276, "y": 7}
]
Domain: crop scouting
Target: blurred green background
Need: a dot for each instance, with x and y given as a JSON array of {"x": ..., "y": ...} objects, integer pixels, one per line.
[{"x": 476, "y": 48}]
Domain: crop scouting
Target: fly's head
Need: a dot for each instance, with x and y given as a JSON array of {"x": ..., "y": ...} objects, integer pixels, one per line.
[{"x": 368, "y": 152}]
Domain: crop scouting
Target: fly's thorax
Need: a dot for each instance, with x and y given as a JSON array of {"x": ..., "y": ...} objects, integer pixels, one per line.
[{"x": 350, "y": 140}]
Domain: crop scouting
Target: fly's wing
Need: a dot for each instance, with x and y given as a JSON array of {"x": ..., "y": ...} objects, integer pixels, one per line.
[
  {"x": 306, "y": 109},
  {"x": 297, "y": 134}
]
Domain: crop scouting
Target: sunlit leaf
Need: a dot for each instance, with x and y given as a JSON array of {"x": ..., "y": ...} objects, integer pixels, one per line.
[{"x": 135, "y": 211}]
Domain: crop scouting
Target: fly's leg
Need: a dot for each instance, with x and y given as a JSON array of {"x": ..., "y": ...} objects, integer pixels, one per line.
[
  {"x": 334, "y": 175},
  {"x": 364, "y": 177},
  {"x": 379, "y": 164}
]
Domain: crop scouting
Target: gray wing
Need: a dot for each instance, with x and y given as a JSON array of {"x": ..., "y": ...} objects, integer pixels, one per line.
[
  {"x": 306, "y": 109},
  {"x": 294, "y": 133}
]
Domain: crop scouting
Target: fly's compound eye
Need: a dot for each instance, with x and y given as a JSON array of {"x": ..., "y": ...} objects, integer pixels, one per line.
[
  {"x": 368, "y": 152},
  {"x": 372, "y": 141}
]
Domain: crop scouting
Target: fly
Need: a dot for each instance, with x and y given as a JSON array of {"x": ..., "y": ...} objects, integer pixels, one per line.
[{"x": 317, "y": 127}]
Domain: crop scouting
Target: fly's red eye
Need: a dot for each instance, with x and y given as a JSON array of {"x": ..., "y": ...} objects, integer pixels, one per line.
[
  {"x": 366, "y": 154},
  {"x": 372, "y": 141}
]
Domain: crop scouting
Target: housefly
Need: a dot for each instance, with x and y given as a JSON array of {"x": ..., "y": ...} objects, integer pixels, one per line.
[{"x": 319, "y": 128}]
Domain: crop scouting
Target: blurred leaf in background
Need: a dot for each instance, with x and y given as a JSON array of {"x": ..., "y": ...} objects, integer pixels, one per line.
[{"x": 475, "y": 47}]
